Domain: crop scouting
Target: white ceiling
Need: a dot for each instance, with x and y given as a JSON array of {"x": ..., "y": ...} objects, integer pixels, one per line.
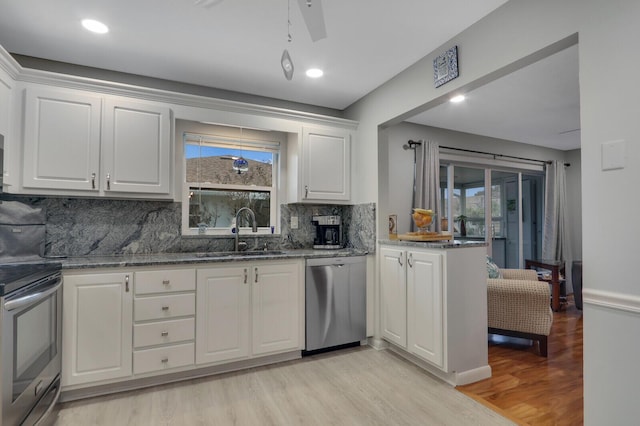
[
  {"x": 237, "y": 44},
  {"x": 539, "y": 105}
]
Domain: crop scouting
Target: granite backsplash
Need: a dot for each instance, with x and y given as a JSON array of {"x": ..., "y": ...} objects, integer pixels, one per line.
[{"x": 81, "y": 227}]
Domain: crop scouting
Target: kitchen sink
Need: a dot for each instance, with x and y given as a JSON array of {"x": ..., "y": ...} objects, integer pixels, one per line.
[{"x": 246, "y": 253}]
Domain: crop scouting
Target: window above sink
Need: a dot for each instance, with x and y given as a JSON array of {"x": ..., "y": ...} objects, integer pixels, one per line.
[{"x": 227, "y": 168}]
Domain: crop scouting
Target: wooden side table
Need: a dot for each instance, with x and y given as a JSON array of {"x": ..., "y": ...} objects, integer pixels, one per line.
[{"x": 556, "y": 267}]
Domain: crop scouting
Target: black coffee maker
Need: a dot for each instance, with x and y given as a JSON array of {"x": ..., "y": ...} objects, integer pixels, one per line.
[{"x": 328, "y": 232}]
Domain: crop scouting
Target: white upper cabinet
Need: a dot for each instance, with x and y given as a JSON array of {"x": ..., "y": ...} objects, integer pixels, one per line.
[
  {"x": 325, "y": 169},
  {"x": 80, "y": 143},
  {"x": 137, "y": 147},
  {"x": 61, "y": 140},
  {"x": 6, "y": 86}
]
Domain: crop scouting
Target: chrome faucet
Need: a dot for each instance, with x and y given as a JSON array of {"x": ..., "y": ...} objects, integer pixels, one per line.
[{"x": 254, "y": 225}]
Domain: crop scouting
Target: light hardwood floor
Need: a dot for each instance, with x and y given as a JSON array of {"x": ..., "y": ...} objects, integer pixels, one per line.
[{"x": 358, "y": 386}]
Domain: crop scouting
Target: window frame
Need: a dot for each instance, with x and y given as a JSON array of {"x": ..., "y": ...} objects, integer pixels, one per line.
[{"x": 249, "y": 144}]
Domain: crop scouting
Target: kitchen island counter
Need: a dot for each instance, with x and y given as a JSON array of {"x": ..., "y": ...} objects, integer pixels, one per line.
[{"x": 434, "y": 244}]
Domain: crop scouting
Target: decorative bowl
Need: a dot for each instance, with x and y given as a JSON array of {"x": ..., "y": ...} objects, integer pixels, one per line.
[{"x": 423, "y": 219}]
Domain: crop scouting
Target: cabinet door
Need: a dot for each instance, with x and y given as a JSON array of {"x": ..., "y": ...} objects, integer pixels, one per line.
[
  {"x": 61, "y": 140},
  {"x": 222, "y": 314},
  {"x": 137, "y": 147},
  {"x": 393, "y": 290},
  {"x": 326, "y": 164},
  {"x": 276, "y": 307},
  {"x": 97, "y": 328},
  {"x": 424, "y": 306},
  {"x": 6, "y": 86}
]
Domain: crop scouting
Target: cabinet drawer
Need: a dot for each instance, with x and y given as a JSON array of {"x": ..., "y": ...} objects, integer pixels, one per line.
[
  {"x": 165, "y": 281},
  {"x": 163, "y": 332},
  {"x": 163, "y": 358},
  {"x": 159, "y": 307}
]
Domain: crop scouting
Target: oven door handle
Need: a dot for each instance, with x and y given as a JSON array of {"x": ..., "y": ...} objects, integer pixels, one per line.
[{"x": 32, "y": 299}]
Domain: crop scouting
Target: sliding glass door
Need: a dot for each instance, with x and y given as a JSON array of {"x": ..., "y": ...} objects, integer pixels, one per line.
[{"x": 503, "y": 208}]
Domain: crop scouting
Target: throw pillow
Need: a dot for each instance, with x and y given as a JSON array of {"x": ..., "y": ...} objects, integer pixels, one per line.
[{"x": 493, "y": 271}]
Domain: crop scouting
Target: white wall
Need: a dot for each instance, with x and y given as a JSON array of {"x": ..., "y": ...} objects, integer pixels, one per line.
[{"x": 514, "y": 35}]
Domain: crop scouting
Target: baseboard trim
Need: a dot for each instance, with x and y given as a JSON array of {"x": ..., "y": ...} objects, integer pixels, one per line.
[
  {"x": 612, "y": 300},
  {"x": 138, "y": 383},
  {"x": 377, "y": 344},
  {"x": 459, "y": 378},
  {"x": 472, "y": 376}
]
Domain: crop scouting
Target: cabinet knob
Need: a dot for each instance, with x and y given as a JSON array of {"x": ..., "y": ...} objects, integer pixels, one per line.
[
  {"x": 166, "y": 282},
  {"x": 108, "y": 181},
  {"x": 164, "y": 360},
  {"x": 306, "y": 191},
  {"x": 164, "y": 333},
  {"x": 93, "y": 181},
  {"x": 409, "y": 259},
  {"x": 165, "y": 308},
  {"x": 400, "y": 259},
  {"x": 256, "y": 271}
]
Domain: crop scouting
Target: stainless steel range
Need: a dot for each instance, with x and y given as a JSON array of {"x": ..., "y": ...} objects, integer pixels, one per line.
[{"x": 30, "y": 318}]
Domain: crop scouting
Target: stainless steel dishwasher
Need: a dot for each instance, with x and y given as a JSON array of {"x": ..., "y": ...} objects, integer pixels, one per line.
[{"x": 335, "y": 302}]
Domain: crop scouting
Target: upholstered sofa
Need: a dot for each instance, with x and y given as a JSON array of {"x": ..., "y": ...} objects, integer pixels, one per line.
[{"x": 518, "y": 306}]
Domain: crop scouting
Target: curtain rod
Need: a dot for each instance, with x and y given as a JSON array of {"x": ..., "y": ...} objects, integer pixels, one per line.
[{"x": 499, "y": 155}]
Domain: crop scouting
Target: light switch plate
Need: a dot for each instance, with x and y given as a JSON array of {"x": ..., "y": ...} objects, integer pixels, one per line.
[
  {"x": 613, "y": 155},
  {"x": 294, "y": 222}
]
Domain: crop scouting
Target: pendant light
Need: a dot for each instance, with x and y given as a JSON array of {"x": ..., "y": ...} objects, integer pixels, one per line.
[{"x": 285, "y": 60}]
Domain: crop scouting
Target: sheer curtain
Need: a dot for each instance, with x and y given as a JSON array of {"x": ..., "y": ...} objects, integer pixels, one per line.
[
  {"x": 556, "y": 242},
  {"x": 427, "y": 193}
]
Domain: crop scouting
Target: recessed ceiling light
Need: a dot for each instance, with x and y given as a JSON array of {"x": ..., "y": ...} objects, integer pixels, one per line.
[
  {"x": 457, "y": 99},
  {"x": 95, "y": 26},
  {"x": 314, "y": 72}
]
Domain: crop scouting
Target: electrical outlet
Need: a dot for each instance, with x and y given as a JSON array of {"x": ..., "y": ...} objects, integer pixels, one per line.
[{"x": 294, "y": 222}]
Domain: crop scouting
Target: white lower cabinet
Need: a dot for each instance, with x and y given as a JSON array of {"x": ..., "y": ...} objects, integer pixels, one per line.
[
  {"x": 164, "y": 315},
  {"x": 434, "y": 307},
  {"x": 97, "y": 327},
  {"x": 412, "y": 302},
  {"x": 141, "y": 322},
  {"x": 248, "y": 309}
]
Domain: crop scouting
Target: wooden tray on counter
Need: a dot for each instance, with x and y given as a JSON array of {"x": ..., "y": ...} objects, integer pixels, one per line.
[{"x": 431, "y": 236}]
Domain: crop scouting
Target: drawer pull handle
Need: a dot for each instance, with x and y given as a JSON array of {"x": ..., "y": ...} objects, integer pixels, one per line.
[
  {"x": 166, "y": 282},
  {"x": 165, "y": 308},
  {"x": 164, "y": 360},
  {"x": 164, "y": 333}
]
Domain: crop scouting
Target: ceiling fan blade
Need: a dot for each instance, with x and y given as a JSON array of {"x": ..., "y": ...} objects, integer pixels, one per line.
[{"x": 313, "y": 18}]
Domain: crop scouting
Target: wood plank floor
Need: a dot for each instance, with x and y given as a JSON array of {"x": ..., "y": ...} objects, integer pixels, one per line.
[
  {"x": 531, "y": 389},
  {"x": 358, "y": 386}
]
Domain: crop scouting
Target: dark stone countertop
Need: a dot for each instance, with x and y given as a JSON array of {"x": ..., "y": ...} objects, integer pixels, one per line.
[
  {"x": 434, "y": 244},
  {"x": 163, "y": 259}
]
